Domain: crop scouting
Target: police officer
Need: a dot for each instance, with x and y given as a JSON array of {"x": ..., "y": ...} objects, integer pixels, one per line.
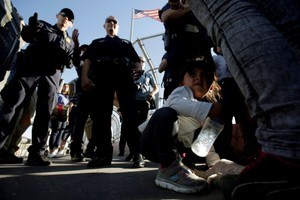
[
  {"x": 50, "y": 50},
  {"x": 114, "y": 64},
  {"x": 82, "y": 112},
  {"x": 184, "y": 39},
  {"x": 146, "y": 89}
]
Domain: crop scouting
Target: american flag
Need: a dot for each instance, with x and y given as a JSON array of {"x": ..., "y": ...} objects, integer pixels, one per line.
[{"x": 138, "y": 14}]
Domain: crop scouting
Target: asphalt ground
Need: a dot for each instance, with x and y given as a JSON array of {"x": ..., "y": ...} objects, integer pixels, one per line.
[{"x": 68, "y": 180}]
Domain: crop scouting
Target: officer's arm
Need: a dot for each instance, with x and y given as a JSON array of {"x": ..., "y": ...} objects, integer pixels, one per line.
[
  {"x": 171, "y": 14},
  {"x": 86, "y": 83},
  {"x": 76, "y": 54},
  {"x": 29, "y": 31},
  {"x": 85, "y": 68}
]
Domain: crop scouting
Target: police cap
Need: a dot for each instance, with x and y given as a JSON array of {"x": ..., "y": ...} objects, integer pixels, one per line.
[{"x": 66, "y": 12}]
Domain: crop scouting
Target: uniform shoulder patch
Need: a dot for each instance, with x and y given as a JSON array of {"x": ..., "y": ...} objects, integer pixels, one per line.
[
  {"x": 99, "y": 40},
  {"x": 126, "y": 41}
]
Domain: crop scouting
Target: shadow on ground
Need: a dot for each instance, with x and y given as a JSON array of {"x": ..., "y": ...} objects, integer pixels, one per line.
[{"x": 67, "y": 180}]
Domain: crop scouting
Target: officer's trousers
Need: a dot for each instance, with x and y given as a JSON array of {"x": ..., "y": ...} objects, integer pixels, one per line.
[{"x": 17, "y": 93}]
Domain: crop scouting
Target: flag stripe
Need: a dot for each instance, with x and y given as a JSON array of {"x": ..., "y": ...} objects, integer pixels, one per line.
[{"x": 138, "y": 14}]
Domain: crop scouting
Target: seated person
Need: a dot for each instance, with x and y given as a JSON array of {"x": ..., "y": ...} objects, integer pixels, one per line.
[{"x": 189, "y": 105}]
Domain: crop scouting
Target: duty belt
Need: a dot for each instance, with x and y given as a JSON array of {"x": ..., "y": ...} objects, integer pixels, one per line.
[{"x": 107, "y": 59}]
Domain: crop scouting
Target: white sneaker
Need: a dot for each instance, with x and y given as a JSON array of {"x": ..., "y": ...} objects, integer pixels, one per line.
[
  {"x": 61, "y": 153},
  {"x": 53, "y": 153},
  {"x": 179, "y": 178}
]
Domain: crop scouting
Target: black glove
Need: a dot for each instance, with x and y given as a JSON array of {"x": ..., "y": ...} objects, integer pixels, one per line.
[{"x": 33, "y": 22}]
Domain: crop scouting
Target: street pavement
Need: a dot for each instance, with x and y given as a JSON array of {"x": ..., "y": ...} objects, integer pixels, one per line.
[{"x": 68, "y": 180}]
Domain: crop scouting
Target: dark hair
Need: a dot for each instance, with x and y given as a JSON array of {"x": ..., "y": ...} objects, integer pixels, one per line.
[
  {"x": 208, "y": 68},
  {"x": 84, "y": 46},
  {"x": 213, "y": 95}
]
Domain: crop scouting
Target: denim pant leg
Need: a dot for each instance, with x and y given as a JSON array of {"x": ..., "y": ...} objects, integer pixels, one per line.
[
  {"x": 264, "y": 65},
  {"x": 276, "y": 11}
]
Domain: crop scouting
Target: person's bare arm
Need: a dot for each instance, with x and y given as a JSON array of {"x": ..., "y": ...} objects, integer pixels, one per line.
[
  {"x": 153, "y": 92},
  {"x": 216, "y": 111}
]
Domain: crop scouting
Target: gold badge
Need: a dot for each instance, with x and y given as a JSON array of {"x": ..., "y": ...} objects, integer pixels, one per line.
[{"x": 68, "y": 40}]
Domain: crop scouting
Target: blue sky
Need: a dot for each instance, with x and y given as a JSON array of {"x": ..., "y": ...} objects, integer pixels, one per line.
[{"x": 90, "y": 16}]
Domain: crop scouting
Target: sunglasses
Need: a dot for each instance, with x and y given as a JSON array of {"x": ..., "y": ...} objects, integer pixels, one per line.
[
  {"x": 111, "y": 20},
  {"x": 65, "y": 15}
]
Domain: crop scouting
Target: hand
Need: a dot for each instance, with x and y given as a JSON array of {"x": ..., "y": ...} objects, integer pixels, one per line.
[
  {"x": 86, "y": 84},
  {"x": 149, "y": 97},
  {"x": 216, "y": 111},
  {"x": 75, "y": 35},
  {"x": 33, "y": 21},
  {"x": 137, "y": 72}
]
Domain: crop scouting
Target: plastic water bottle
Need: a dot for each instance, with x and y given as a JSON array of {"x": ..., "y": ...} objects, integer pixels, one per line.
[{"x": 207, "y": 136}]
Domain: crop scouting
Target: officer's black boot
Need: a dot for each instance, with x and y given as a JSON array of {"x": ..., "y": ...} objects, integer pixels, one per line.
[
  {"x": 76, "y": 152},
  {"x": 103, "y": 158},
  {"x": 138, "y": 161}
]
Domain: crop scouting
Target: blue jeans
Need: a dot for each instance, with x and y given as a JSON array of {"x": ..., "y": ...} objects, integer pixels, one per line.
[{"x": 260, "y": 41}]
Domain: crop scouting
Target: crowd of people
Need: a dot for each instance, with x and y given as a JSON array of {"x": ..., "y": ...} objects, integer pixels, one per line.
[{"x": 252, "y": 77}]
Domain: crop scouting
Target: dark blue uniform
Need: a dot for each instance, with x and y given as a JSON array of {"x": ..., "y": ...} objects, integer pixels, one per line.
[
  {"x": 40, "y": 67},
  {"x": 111, "y": 66},
  {"x": 185, "y": 39}
]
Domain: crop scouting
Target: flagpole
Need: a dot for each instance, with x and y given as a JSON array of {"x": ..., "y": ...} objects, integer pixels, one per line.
[{"x": 131, "y": 27}]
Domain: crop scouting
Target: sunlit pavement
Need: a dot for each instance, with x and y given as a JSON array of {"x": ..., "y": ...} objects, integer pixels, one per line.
[{"x": 68, "y": 180}]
